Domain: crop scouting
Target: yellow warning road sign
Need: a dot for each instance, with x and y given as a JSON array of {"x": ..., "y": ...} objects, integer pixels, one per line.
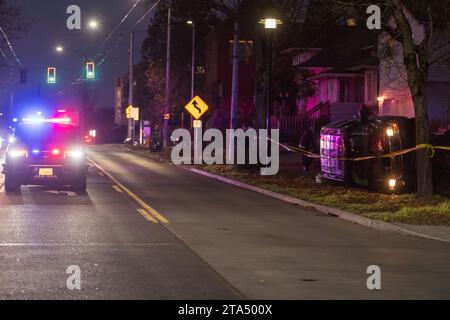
[
  {"x": 197, "y": 107},
  {"x": 132, "y": 113}
]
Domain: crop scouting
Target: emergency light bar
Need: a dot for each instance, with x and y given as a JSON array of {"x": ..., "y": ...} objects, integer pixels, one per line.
[{"x": 65, "y": 120}]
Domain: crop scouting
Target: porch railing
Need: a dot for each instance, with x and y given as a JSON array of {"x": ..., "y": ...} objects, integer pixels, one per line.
[{"x": 292, "y": 127}]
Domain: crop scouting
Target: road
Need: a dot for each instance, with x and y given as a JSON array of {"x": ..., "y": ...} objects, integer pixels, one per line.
[{"x": 161, "y": 232}]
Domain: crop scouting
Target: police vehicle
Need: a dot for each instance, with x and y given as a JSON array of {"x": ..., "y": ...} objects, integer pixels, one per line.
[{"x": 45, "y": 151}]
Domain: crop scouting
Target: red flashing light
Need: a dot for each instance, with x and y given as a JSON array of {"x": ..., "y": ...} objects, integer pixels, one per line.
[
  {"x": 65, "y": 120},
  {"x": 56, "y": 152}
]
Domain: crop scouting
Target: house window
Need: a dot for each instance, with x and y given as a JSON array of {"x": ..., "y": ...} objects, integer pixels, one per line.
[
  {"x": 351, "y": 90},
  {"x": 359, "y": 90},
  {"x": 343, "y": 90},
  {"x": 370, "y": 93}
]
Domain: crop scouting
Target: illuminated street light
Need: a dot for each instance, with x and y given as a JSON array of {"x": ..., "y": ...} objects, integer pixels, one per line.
[
  {"x": 93, "y": 24},
  {"x": 59, "y": 49},
  {"x": 270, "y": 23},
  {"x": 191, "y": 23}
]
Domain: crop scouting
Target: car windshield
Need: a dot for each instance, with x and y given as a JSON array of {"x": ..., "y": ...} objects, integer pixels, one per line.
[{"x": 47, "y": 134}]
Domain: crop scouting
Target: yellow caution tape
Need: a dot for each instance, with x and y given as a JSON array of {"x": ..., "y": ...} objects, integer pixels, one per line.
[{"x": 388, "y": 155}]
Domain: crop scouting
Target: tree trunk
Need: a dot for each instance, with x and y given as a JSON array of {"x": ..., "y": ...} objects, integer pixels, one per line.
[
  {"x": 416, "y": 64},
  {"x": 424, "y": 170}
]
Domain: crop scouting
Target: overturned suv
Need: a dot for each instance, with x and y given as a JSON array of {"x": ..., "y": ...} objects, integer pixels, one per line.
[{"x": 45, "y": 153}]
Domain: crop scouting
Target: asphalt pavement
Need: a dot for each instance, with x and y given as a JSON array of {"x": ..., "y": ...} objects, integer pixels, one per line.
[
  {"x": 268, "y": 249},
  {"x": 149, "y": 230},
  {"x": 120, "y": 254}
]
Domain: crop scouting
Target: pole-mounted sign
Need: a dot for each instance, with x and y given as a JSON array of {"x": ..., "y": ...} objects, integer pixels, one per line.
[
  {"x": 132, "y": 113},
  {"x": 197, "y": 107}
]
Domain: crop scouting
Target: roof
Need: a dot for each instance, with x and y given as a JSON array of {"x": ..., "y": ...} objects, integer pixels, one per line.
[
  {"x": 353, "y": 48},
  {"x": 336, "y": 72}
]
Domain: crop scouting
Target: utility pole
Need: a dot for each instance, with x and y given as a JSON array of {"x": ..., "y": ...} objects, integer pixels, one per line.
[
  {"x": 193, "y": 66},
  {"x": 235, "y": 82},
  {"x": 83, "y": 103},
  {"x": 165, "y": 133},
  {"x": 234, "y": 88},
  {"x": 131, "y": 86}
]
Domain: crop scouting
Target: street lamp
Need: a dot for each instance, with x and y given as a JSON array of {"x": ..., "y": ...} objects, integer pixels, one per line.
[
  {"x": 93, "y": 24},
  {"x": 191, "y": 22},
  {"x": 270, "y": 23}
]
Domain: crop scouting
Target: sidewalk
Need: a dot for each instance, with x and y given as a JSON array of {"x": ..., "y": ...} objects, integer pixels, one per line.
[{"x": 402, "y": 213}]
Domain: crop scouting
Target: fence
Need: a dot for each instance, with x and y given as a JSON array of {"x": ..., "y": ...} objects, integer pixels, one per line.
[{"x": 292, "y": 127}]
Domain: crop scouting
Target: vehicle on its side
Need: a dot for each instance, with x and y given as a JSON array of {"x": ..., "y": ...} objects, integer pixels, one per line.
[
  {"x": 45, "y": 152},
  {"x": 370, "y": 141}
]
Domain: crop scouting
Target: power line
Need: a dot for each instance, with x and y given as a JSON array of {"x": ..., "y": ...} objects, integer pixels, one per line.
[
  {"x": 146, "y": 14},
  {"x": 10, "y": 46},
  {"x": 136, "y": 24},
  {"x": 6, "y": 57},
  {"x": 117, "y": 27},
  {"x": 107, "y": 53}
]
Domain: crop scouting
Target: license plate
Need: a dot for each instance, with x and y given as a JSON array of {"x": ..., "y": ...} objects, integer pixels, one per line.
[{"x": 45, "y": 172}]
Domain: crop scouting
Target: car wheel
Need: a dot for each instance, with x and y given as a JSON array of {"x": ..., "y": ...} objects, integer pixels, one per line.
[
  {"x": 80, "y": 185},
  {"x": 11, "y": 185}
]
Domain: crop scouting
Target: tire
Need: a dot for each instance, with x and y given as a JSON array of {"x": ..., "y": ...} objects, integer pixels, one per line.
[
  {"x": 10, "y": 185},
  {"x": 80, "y": 185}
]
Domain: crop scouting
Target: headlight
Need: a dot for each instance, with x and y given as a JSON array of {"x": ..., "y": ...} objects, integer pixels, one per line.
[
  {"x": 390, "y": 132},
  {"x": 392, "y": 184},
  {"x": 75, "y": 154},
  {"x": 17, "y": 153}
]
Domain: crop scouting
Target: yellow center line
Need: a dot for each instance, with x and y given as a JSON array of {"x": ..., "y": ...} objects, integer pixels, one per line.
[
  {"x": 146, "y": 215},
  {"x": 117, "y": 189},
  {"x": 154, "y": 213}
]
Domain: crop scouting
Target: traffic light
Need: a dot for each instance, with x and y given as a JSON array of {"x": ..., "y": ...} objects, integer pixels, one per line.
[
  {"x": 90, "y": 70},
  {"x": 23, "y": 75},
  {"x": 51, "y": 75}
]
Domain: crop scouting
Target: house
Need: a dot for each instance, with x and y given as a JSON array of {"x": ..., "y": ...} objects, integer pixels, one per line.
[
  {"x": 337, "y": 74},
  {"x": 395, "y": 95},
  {"x": 345, "y": 84}
]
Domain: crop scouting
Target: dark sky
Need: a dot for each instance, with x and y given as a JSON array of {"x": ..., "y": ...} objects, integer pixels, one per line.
[{"x": 36, "y": 49}]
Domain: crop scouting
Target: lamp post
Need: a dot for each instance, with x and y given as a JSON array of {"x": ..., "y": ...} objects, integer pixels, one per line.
[
  {"x": 270, "y": 24},
  {"x": 191, "y": 22}
]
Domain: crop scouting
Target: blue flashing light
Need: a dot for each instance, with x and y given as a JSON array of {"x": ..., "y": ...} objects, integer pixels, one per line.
[
  {"x": 33, "y": 120},
  {"x": 35, "y": 151}
]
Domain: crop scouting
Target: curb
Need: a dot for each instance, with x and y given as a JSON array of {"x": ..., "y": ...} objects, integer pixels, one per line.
[{"x": 351, "y": 217}]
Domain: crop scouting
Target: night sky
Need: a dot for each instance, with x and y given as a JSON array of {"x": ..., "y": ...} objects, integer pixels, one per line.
[{"x": 47, "y": 28}]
